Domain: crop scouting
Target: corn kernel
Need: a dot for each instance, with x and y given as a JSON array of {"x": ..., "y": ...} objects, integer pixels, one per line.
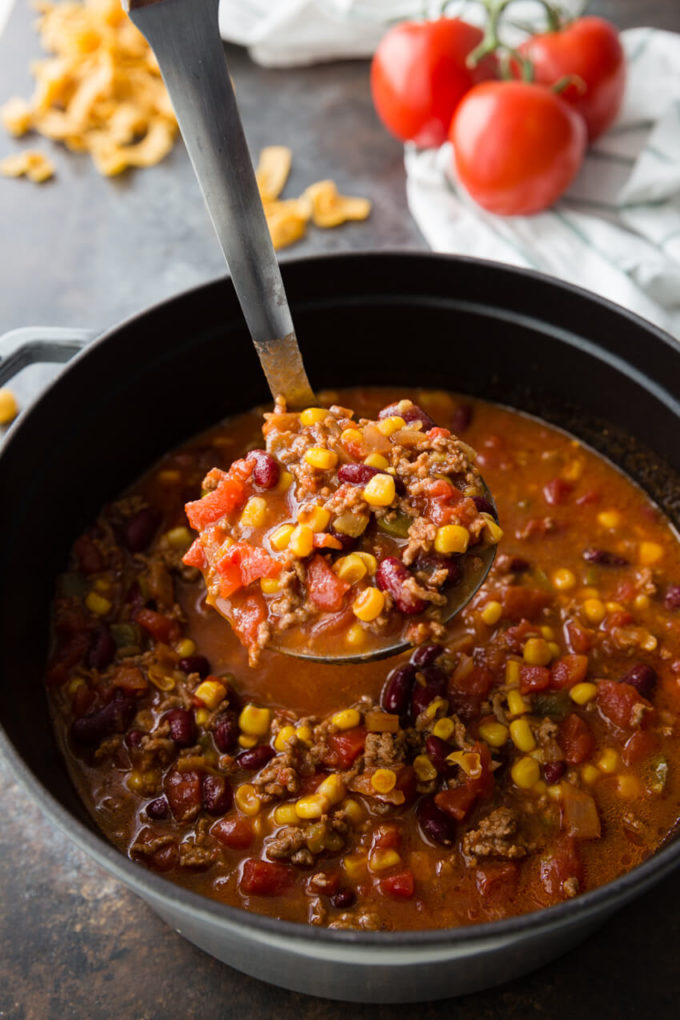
[
  {"x": 589, "y": 593},
  {"x": 285, "y": 734},
  {"x": 270, "y": 585},
  {"x": 369, "y": 561},
  {"x": 589, "y": 774},
  {"x": 332, "y": 789},
  {"x": 376, "y": 460},
  {"x": 284, "y": 482},
  {"x": 608, "y": 761},
  {"x": 313, "y": 415},
  {"x": 424, "y": 769},
  {"x": 313, "y": 806},
  {"x": 280, "y": 538},
  {"x": 74, "y": 684},
  {"x": 628, "y": 786},
  {"x": 443, "y": 728},
  {"x": 369, "y": 605},
  {"x": 102, "y": 585},
  {"x": 609, "y": 519},
  {"x": 536, "y": 652},
  {"x": 304, "y": 734},
  {"x": 492, "y": 612},
  {"x": 247, "y": 800},
  {"x": 649, "y": 553},
  {"x": 452, "y": 538},
  {"x": 254, "y": 512},
  {"x": 318, "y": 457},
  {"x": 468, "y": 761},
  {"x": 493, "y": 733},
  {"x": 555, "y": 650},
  {"x": 539, "y": 788},
  {"x": 564, "y": 579},
  {"x": 315, "y": 517},
  {"x": 380, "y": 859},
  {"x": 355, "y": 636},
  {"x": 255, "y": 721},
  {"x": 350, "y": 568},
  {"x": 436, "y": 705},
  {"x": 525, "y": 772},
  {"x": 613, "y": 607},
  {"x": 346, "y": 719},
  {"x": 512, "y": 673},
  {"x": 380, "y": 490},
  {"x": 185, "y": 647},
  {"x": 301, "y": 541},
  {"x": 354, "y": 866},
  {"x": 649, "y": 643},
  {"x": 202, "y": 715},
  {"x": 641, "y": 602},
  {"x": 179, "y": 538},
  {"x": 516, "y": 703},
  {"x": 285, "y": 814},
  {"x": 169, "y": 476},
  {"x": 351, "y": 436},
  {"x": 392, "y": 424},
  {"x": 594, "y": 610},
  {"x": 9, "y": 408},
  {"x": 245, "y": 741},
  {"x": 211, "y": 693},
  {"x": 383, "y": 780},
  {"x": 97, "y": 604},
  {"x": 572, "y": 471},
  {"x": 548, "y": 633},
  {"x": 135, "y": 782},
  {"x": 353, "y": 811},
  {"x": 522, "y": 737},
  {"x": 583, "y": 693},
  {"x": 494, "y": 532}
]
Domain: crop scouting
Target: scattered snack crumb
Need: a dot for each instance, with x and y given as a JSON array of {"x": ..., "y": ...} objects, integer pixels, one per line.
[
  {"x": 101, "y": 92},
  {"x": 29, "y": 163},
  {"x": 329, "y": 209},
  {"x": 9, "y": 408}
]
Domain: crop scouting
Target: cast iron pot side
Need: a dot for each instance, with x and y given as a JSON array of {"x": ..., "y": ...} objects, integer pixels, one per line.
[{"x": 401, "y": 319}]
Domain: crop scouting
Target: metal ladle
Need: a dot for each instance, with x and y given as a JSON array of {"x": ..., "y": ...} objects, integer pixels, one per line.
[{"x": 184, "y": 36}]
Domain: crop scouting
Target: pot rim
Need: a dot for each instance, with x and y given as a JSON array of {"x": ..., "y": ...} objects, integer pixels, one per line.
[{"x": 148, "y": 884}]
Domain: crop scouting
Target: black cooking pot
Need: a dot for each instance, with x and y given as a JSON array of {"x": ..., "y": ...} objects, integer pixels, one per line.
[{"x": 401, "y": 319}]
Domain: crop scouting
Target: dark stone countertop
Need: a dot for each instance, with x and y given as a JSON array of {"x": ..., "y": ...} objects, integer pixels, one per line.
[{"x": 85, "y": 251}]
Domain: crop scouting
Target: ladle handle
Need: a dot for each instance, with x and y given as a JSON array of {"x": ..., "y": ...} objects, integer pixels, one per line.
[{"x": 184, "y": 36}]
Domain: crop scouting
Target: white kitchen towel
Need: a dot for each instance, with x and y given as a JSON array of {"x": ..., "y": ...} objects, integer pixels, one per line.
[{"x": 616, "y": 231}]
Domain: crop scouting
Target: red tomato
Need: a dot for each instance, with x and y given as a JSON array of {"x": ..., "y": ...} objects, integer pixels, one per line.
[
  {"x": 517, "y": 146},
  {"x": 621, "y": 703},
  {"x": 576, "y": 739},
  {"x": 419, "y": 75},
  {"x": 326, "y": 590},
  {"x": 161, "y": 628},
  {"x": 264, "y": 878},
  {"x": 344, "y": 747},
  {"x": 590, "y": 49},
  {"x": 400, "y": 886}
]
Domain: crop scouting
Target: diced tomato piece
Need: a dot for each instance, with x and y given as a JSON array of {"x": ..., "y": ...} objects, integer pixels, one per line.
[
  {"x": 457, "y": 801},
  {"x": 264, "y": 878},
  {"x": 326, "y": 590},
  {"x": 235, "y": 833},
  {"x": 621, "y": 703},
  {"x": 161, "y": 628},
  {"x": 556, "y": 491},
  {"x": 619, "y": 618},
  {"x": 400, "y": 886},
  {"x": 387, "y": 837},
  {"x": 230, "y": 580},
  {"x": 438, "y": 431},
  {"x": 497, "y": 880},
  {"x": 248, "y": 612},
  {"x": 568, "y": 670},
  {"x": 576, "y": 739},
  {"x": 322, "y": 540},
  {"x": 467, "y": 693},
  {"x": 130, "y": 679},
  {"x": 562, "y": 863},
  {"x": 580, "y": 641},
  {"x": 90, "y": 560},
  {"x": 183, "y": 790},
  {"x": 639, "y": 746},
  {"x": 520, "y": 603},
  {"x": 229, "y": 495},
  {"x": 587, "y": 498},
  {"x": 195, "y": 555},
  {"x": 252, "y": 562},
  {"x": 515, "y": 636},
  {"x": 533, "y": 678},
  {"x": 441, "y": 489},
  {"x": 345, "y": 746}
]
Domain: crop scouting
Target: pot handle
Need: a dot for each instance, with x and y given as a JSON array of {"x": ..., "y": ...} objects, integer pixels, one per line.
[{"x": 33, "y": 344}]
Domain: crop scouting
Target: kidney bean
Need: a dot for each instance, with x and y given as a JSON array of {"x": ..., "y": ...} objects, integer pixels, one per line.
[
  {"x": 461, "y": 418},
  {"x": 643, "y": 678},
  {"x": 356, "y": 474},
  {"x": 182, "y": 726},
  {"x": 438, "y": 751},
  {"x": 226, "y": 732},
  {"x": 266, "y": 472},
  {"x": 396, "y": 693},
  {"x": 346, "y": 541},
  {"x": 134, "y": 597},
  {"x": 217, "y": 794},
  {"x": 140, "y": 529},
  {"x": 437, "y": 561},
  {"x": 485, "y": 506},
  {"x": 133, "y": 738},
  {"x": 157, "y": 808},
  {"x": 672, "y": 599},
  {"x": 102, "y": 648},
  {"x": 554, "y": 770},
  {"x": 115, "y": 717},
  {"x": 390, "y": 576},
  {"x": 435, "y": 686},
  {"x": 255, "y": 757},
  {"x": 195, "y": 664},
  {"x": 603, "y": 558},
  {"x": 426, "y": 655},
  {"x": 517, "y": 565},
  {"x": 435, "y": 824},
  {"x": 410, "y": 414},
  {"x": 343, "y": 898}
]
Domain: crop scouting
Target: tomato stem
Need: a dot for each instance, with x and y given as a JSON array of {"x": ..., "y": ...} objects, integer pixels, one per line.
[
  {"x": 569, "y": 79},
  {"x": 492, "y": 43}
]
